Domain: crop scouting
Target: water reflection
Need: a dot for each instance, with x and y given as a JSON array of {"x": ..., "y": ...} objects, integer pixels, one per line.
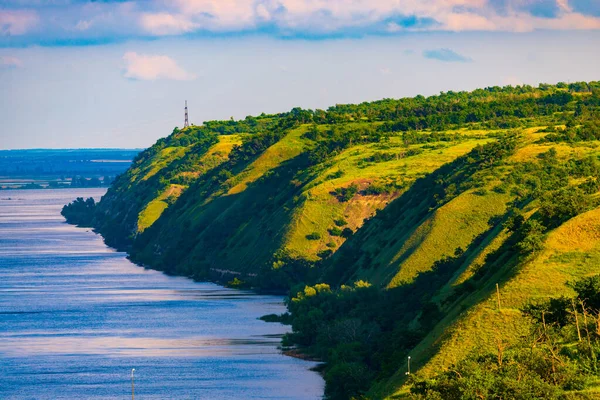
[
  {"x": 40, "y": 343},
  {"x": 75, "y": 316}
]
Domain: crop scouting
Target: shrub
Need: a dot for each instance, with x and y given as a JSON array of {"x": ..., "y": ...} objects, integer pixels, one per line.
[
  {"x": 501, "y": 189},
  {"x": 335, "y": 231},
  {"x": 337, "y": 174},
  {"x": 345, "y": 194},
  {"x": 80, "y": 211},
  {"x": 563, "y": 204},
  {"x": 340, "y": 222},
  {"x": 313, "y": 236},
  {"x": 347, "y": 232},
  {"x": 378, "y": 157},
  {"x": 533, "y": 237},
  {"x": 377, "y": 189}
]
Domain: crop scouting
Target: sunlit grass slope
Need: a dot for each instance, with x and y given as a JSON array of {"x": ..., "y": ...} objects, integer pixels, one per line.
[
  {"x": 288, "y": 147},
  {"x": 453, "y": 226},
  {"x": 320, "y": 210},
  {"x": 570, "y": 252},
  {"x": 156, "y": 179},
  {"x": 155, "y": 208}
]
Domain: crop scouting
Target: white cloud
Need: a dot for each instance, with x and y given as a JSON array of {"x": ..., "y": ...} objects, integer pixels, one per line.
[
  {"x": 263, "y": 12},
  {"x": 468, "y": 22},
  {"x": 149, "y": 67},
  {"x": 564, "y": 5},
  {"x": 161, "y": 24},
  {"x": 17, "y": 22},
  {"x": 518, "y": 22},
  {"x": 287, "y": 18},
  {"x": 325, "y": 16},
  {"x": 10, "y": 62}
]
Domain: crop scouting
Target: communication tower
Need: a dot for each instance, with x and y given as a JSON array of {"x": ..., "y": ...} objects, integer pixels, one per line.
[{"x": 186, "y": 123}]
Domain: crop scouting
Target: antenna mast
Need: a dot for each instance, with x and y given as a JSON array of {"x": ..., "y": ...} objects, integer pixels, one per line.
[{"x": 186, "y": 123}]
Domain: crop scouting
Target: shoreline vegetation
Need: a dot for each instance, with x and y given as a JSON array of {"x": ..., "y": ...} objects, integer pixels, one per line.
[
  {"x": 297, "y": 353},
  {"x": 460, "y": 230}
]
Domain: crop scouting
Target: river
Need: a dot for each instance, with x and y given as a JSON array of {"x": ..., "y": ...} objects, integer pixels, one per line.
[{"x": 76, "y": 317}]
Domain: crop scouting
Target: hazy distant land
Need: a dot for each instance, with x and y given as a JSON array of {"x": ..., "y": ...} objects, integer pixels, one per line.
[{"x": 61, "y": 168}]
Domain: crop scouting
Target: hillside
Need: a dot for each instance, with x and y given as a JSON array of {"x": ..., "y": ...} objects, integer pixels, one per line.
[{"x": 391, "y": 222}]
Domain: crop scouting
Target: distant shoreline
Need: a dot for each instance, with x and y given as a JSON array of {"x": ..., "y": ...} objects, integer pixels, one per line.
[
  {"x": 29, "y": 187},
  {"x": 62, "y": 168}
]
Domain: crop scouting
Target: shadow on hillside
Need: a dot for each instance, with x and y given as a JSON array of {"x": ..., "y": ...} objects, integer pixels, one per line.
[
  {"x": 500, "y": 267},
  {"x": 117, "y": 214},
  {"x": 381, "y": 237},
  {"x": 230, "y": 235}
]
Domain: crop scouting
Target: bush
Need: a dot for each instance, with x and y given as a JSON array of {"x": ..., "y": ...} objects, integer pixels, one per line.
[
  {"x": 345, "y": 194},
  {"x": 377, "y": 188},
  {"x": 533, "y": 237},
  {"x": 340, "y": 222},
  {"x": 325, "y": 253},
  {"x": 563, "y": 204},
  {"x": 335, "y": 231},
  {"x": 313, "y": 236},
  {"x": 80, "y": 212},
  {"x": 337, "y": 174},
  {"x": 378, "y": 157},
  {"x": 588, "y": 291}
]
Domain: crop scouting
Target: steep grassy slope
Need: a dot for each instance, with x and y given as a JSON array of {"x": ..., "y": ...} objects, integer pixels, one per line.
[
  {"x": 570, "y": 252},
  {"x": 155, "y": 180},
  {"x": 282, "y": 210},
  {"x": 410, "y": 211}
]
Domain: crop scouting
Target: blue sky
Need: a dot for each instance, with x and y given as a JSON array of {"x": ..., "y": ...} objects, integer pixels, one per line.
[{"x": 116, "y": 73}]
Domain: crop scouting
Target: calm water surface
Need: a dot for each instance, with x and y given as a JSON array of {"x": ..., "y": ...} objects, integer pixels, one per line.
[{"x": 76, "y": 316}]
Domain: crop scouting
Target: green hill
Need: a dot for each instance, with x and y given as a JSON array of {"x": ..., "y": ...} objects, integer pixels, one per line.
[{"x": 391, "y": 222}]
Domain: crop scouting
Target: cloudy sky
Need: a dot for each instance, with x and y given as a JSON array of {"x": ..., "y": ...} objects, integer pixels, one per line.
[{"x": 104, "y": 73}]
